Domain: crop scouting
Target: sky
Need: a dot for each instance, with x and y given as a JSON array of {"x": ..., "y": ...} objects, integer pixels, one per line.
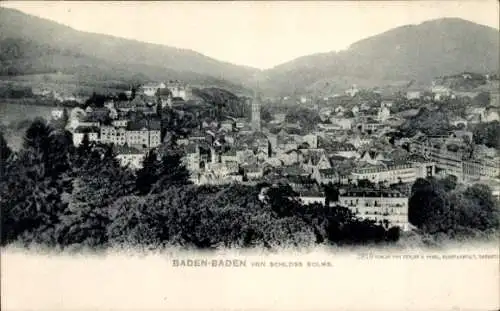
[{"x": 258, "y": 34}]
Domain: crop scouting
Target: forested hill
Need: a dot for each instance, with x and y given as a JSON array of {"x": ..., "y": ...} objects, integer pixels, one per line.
[
  {"x": 35, "y": 45},
  {"x": 413, "y": 52},
  {"x": 227, "y": 103}
]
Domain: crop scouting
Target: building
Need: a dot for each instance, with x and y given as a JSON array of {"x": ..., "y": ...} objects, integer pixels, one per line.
[
  {"x": 315, "y": 159},
  {"x": 151, "y": 89},
  {"x": 393, "y": 172},
  {"x": 388, "y": 207},
  {"x": 383, "y": 113},
  {"x": 144, "y": 134},
  {"x": 340, "y": 123},
  {"x": 80, "y": 132},
  {"x": 352, "y": 91},
  {"x": 311, "y": 140},
  {"x": 178, "y": 89},
  {"x": 57, "y": 114},
  {"x": 312, "y": 197},
  {"x": 483, "y": 168},
  {"x": 253, "y": 172},
  {"x": 227, "y": 125},
  {"x": 440, "y": 92},
  {"x": 326, "y": 176},
  {"x": 448, "y": 160},
  {"x": 130, "y": 157},
  {"x": 113, "y": 135},
  {"x": 413, "y": 95},
  {"x": 120, "y": 122},
  {"x": 192, "y": 158}
]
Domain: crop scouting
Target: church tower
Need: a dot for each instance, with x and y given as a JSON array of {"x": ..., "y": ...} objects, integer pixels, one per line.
[{"x": 256, "y": 112}]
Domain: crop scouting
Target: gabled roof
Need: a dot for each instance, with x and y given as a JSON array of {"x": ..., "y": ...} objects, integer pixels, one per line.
[
  {"x": 314, "y": 156},
  {"x": 328, "y": 172},
  {"x": 139, "y": 125},
  {"x": 87, "y": 129},
  {"x": 293, "y": 170}
]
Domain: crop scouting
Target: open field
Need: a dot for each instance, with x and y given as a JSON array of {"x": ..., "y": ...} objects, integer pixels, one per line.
[
  {"x": 13, "y": 117},
  {"x": 13, "y": 113}
]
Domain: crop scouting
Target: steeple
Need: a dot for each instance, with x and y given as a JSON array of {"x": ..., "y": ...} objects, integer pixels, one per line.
[{"x": 256, "y": 112}]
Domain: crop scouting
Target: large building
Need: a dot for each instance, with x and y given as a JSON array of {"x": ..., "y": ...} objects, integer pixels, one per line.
[
  {"x": 458, "y": 161},
  {"x": 116, "y": 135},
  {"x": 382, "y": 206},
  {"x": 144, "y": 134},
  {"x": 393, "y": 172},
  {"x": 178, "y": 89}
]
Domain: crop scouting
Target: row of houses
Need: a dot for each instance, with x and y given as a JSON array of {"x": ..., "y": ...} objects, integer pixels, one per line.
[{"x": 466, "y": 161}]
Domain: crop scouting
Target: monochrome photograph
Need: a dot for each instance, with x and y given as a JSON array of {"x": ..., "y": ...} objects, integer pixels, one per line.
[{"x": 259, "y": 126}]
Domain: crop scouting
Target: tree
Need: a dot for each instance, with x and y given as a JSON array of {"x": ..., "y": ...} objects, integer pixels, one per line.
[
  {"x": 487, "y": 134},
  {"x": 149, "y": 174},
  {"x": 331, "y": 193},
  {"x": 97, "y": 183},
  {"x": 122, "y": 96},
  {"x": 33, "y": 186},
  {"x": 430, "y": 122},
  {"x": 429, "y": 206},
  {"x": 5, "y": 154},
  {"x": 476, "y": 209},
  {"x": 282, "y": 199},
  {"x": 172, "y": 172},
  {"x": 483, "y": 99},
  {"x": 134, "y": 223}
]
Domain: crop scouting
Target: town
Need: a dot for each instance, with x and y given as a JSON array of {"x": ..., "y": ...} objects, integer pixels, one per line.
[{"x": 353, "y": 140}]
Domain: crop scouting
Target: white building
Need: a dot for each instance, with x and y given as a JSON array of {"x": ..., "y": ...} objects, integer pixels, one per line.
[
  {"x": 312, "y": 197},
  {"x": 151, "y": 89},
  {"x": 383, "y": 114},
  {"x": 178, "y": 89},
  {"x": 378, "y": 205},
  {"x": 79, "y": 134},
  {"x": 113, "y": 135},
  {"x": 130, "y": 157},
  {"x": 393, "y": 173}
]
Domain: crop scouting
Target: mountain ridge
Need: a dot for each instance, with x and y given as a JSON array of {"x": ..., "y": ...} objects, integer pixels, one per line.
[
  {"x": 410, "y": 52},
  {"x": 116, "y": 51}
]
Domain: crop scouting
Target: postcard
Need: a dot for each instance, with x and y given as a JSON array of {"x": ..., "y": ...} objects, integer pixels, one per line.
[{"x": 250, "y": 155}]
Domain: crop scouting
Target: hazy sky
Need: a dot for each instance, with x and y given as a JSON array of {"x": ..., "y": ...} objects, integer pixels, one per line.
[{"x": 258, "y": 34}]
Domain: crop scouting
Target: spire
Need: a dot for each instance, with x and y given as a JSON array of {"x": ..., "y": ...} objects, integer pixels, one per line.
[{"x": 256, "y": 112}]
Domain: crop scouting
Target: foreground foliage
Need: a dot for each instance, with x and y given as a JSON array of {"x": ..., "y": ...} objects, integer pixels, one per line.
[{"x": 54, "y": 194}]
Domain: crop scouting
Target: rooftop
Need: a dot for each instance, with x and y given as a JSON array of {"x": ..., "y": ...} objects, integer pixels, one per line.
[
  {"x": 126, "y": 150},
  {"x": 386, "y": 193},
  {"x": 87, "y": 129}
]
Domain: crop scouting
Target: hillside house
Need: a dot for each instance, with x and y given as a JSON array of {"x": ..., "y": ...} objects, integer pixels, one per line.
[
  {"x": 129, "y": 157},
  {"x": 151, "y": 89},
  {"x": 144, "y": 134}
]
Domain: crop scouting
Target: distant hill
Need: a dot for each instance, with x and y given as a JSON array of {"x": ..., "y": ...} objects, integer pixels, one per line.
[
  {"x": 414, "y": 52},
  {"x": 32, "y": 45},
  {"x": 227, "y": 103}
]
